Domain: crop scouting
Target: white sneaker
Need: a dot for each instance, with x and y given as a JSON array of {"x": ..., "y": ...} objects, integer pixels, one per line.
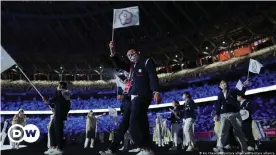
[
  {"x": 135, "y": 150},
  {"x": 146, "y": 152},
  {"x": 218, "y": 150},
  {"x": 228, "y": 147},
  {"x": 49, "y": 151},
  {"x": 250, "y": 149},
  {"x": 56, "y": 152},
  {"x": 108, "y": 152},
  {"x": 190, "y": 148}
]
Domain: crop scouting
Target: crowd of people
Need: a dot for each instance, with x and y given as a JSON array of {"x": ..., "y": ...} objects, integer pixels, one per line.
[
  {"x": 140, "y": 88},
  {"x": 262, "y": 80}
]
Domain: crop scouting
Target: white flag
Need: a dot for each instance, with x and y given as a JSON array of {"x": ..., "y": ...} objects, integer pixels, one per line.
[
  {"x": 239, "y": 85},
  {"x": 120, "y": 83},
  {"x": 112, "y": 111},
  {"x": 254, "y": 66},
  {"x": 6, "y": 60},
  {"x": 125, "y": 17}
]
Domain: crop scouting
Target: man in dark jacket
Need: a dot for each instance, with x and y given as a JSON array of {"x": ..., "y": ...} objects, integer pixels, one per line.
[
  {"x": 61, "y": 103},
  {"x": 144, "y": 84},
  {"x": 228, "y": 108},
  {"x": 247, "y": 122}
]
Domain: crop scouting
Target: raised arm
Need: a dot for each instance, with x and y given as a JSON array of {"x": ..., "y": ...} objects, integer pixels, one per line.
[{"x": 117, "y": 62}]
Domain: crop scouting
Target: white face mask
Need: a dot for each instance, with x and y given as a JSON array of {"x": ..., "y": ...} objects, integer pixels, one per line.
[
  {"x": 223, "y": 86},
  {"x": 184, "y": 97},
  {"x": 133, "y": 57},
  {"x": 239, "y": 98}
]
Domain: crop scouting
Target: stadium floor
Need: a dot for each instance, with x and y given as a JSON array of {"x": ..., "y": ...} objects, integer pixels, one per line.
[{"x": 267, "y": 148}]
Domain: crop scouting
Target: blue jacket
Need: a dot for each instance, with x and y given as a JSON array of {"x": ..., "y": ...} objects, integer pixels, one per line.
[
  {"x": 142, "y": 74},
  {"x": 61, "y": 105},
  {"x": 230, "y": 103},
  {"x": 189, "y": 109}
]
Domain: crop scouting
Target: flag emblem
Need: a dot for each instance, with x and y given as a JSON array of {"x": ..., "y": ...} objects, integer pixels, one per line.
[{"x": 125, "y": 17}]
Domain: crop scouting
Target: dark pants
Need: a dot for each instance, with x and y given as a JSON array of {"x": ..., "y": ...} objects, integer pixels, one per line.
[
  {"x": 139, "y": 123},
  {"x": 124, "y": 125},
  {"x": 247, "y": 130},
  {"x": 56, "y": 132},
  {"x": 231, "y": 139}
]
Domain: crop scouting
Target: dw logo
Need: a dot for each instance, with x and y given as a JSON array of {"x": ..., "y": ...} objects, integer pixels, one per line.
[{"x": 17, "y": 133}]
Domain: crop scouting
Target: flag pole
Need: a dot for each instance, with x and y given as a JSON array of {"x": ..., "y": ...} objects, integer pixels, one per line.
[
  {"x": 29, "y": 81},
  {"x": 112, "y": 34},
  {"x": 248, "y": 75}
]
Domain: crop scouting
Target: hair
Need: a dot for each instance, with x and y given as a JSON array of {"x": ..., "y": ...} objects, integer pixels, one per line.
[
  {"x": 176, "y": 103},
  {"x": 225, "y": 82},
  {"x": 63, "y": 85},
  {"x": 187, "y": 94},
  {"x": 20, "y": 110}
]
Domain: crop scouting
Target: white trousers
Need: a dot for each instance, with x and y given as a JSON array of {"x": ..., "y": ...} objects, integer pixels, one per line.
[{"x": 188, "y": 130}]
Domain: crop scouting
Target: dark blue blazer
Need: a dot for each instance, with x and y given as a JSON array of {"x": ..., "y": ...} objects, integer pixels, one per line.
[
  {"x": 143, "y": 76},
  {"x": 230, "y": 103},
  {"x": 189, "y": 109},
  {"x": 61, "y": 105}
]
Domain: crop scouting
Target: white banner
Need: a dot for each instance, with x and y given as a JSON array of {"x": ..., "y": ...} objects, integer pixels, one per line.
[
  {"x": 6, "y": 60},
  {"x": 239, "y": 85},
  {"x": 254, "y": 66},
  {"x": 125, "y": 17}
]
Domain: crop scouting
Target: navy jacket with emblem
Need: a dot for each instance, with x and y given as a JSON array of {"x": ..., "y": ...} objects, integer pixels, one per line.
[
  {"x": 173, "y": 118},
  {"x": 61, "y": 103},
  {"x": 189, "y": 108},
  {"x": 247, "y": 105},
  {"x": 229, "y": 104},
  {"x": 143, "y": 75}
]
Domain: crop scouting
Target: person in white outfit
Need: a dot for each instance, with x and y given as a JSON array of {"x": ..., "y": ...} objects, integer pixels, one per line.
[
  {"x": 20, "y": 119},
  {"x": 91, "y": 128},
  {"x": 189, "y": 114}
]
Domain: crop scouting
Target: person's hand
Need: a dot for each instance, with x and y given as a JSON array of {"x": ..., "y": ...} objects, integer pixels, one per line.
[
  {"x": 245, "y": 83},
  {"x": 216, "y": 118},
  {"x": 120, "y": 97},
  {"x": 157, "y": 98},
  {"x": 112, "y": 48},
  {"x": 45, "y": 101},
  {"x": 104, "y": 114}
]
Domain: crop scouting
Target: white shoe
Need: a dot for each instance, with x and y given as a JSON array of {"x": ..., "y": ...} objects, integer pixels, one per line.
[
  {"x": 250, "y": 149},
  {"x": 49, "y": 151},
  {"x": 146, "y": 152},
  {"x": 56, "y": 152},
  {"x": 228, "y": 147},
  {"x": 135, "y": 150},
  {"x": 190, "y": 148},
  {"x": 108, "y": 152},
  {"x": 121, "y": 149},
  {"x": 218, "y": 150}
]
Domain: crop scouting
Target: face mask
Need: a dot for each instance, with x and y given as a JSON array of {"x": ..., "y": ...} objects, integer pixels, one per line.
[
  {"x": 223, "y": 86},
  {"x": 184, "y": 97},
  {"x": 133, "y": 57},
  {"x": 239, "y": 98}
]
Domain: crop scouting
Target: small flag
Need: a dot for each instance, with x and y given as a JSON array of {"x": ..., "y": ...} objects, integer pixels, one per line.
[
  {"x": 112, "y": 112},
  {"x": 239, "y": 85},
  {"x": 120, "y": 83},
  {"x": 255, "y": 66},
  {"x": 125, "y": 17},
  {"x": 6, "y": 60}
]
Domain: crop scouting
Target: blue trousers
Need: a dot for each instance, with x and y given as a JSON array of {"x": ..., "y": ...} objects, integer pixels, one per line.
[{"x": 139, "y": 123}]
